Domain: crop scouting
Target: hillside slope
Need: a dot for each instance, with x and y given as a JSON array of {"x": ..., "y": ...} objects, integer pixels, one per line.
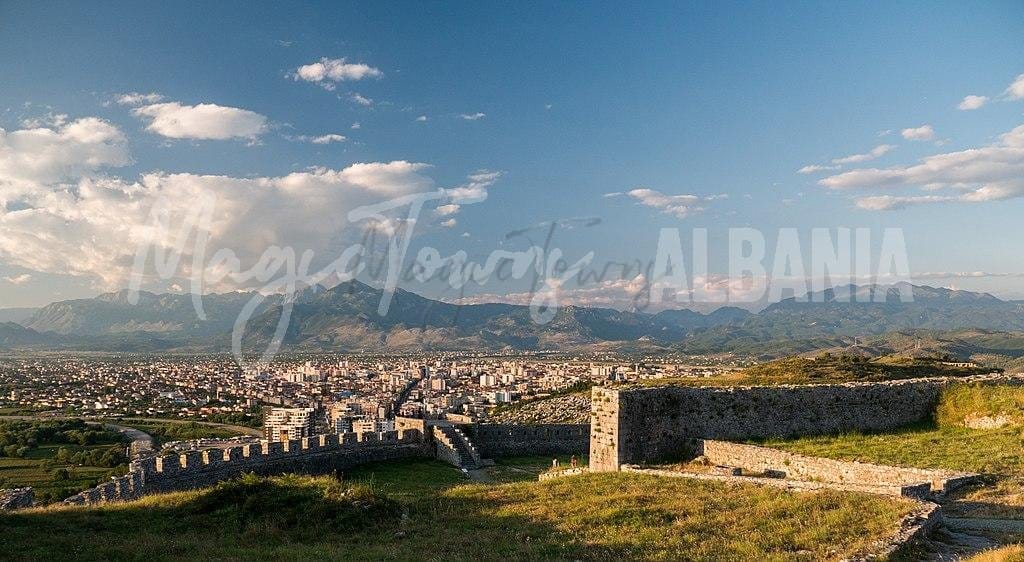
[{"x": 420, "y": 510}]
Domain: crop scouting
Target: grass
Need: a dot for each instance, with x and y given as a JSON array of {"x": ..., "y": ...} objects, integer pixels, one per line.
[
  {"x": 426, "y": 511},
  {"x": 947, "y": 444},
  {"x": 992, "y": 451},
  {"x": 962, "y": 403},
  {"x": 1011, "y": 553},
  {"x": 527, "y": 469},
  {"x": 827, "y": 368}
]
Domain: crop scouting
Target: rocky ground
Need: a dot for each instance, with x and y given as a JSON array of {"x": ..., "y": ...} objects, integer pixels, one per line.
[{"x": 572, "y": 408}]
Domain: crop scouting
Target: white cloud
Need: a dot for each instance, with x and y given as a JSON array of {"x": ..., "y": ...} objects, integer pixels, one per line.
[
  {"x": 972, "y": 102},
  {"x": 50, "y": 120},
  {"x": 681, "y": 206},
  {"x": 445, "y": 210},
  {"x": 19, "y": 279},
  {"x": 813, "y": 168},
  {"x": 876, "y": 152},
  {"x": 47, "y": 155},
  {"x": 922, "y": 133},
  {"x": 93, "y": 226},
  {"x": 1015, "y": 91},
  {"x": 135, "y": 98},
  {"x": 328, "y": 71},
  {"x": 473, "y": 116},
  {"x": 203, "y": 121},
  {"x": 421, "y": 118},
  {"x": 450, "y": 223},
  {"x": 360, "y": 99},
  {"x": 475, "y": 190},
  {"x": 322, "y": 139},
  {"x": 890, "y": 202},
  {"x": 987, "y": 173}
]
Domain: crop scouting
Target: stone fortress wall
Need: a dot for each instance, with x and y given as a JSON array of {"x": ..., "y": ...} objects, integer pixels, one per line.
[
  {"x": 315, "y": 455},
  {"x": 505, "y": 440},
  {"x": 642, "y": 425},
  {"x": 463, "y": 445}
]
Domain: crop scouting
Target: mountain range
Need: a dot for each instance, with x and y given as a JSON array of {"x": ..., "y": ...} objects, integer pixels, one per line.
[{"x": 344, "y": 318}]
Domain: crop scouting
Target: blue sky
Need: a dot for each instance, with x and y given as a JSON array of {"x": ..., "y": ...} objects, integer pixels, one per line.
[{"x": 571, "y": 102}]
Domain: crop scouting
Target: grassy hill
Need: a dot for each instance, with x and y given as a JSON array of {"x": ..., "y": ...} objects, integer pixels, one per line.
[
  {"x": 425, "y": 511},
  {"x": 829, "y": 368}
]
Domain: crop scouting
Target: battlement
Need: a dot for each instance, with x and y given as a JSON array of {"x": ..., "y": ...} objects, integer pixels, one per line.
[{"x": 193, "y": 469}]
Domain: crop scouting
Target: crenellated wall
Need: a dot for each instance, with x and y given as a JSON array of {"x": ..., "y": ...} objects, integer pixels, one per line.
[
  {"x": 642, "y": 425},
  {"x": 315, "y": 455},
  {"x": 502, "y": 440}
]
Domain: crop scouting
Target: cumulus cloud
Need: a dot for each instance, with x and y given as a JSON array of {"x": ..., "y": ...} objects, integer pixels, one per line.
[
  {"x": 876, "y": 152},
  {"x": 93, "y": 227},
  {"x": 421, "y": 118},
  {"x": 473, "y": 116},
  {"x": 328, "y": 72},
  {"x": 203, "y": 121},
  {"x": 681, "y": 206},
  {"x": 46, "y": 155},
  {"x": 1015, "y": 90},
  {"x": 18, "y": 279},
  {"x": 135, "y": 98},
  {"x": 987, "y": 173},
  {"x": 922, "y": 133},
  {"x": 450, "y": 223},
  {"x": 972, "y": 102}
]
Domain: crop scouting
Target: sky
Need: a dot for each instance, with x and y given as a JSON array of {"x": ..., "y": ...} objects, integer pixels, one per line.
[{"x": 608, "y": 122}]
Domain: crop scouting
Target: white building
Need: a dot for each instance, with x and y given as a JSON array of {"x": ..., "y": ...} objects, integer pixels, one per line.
[{"x": 283, "y": 424}]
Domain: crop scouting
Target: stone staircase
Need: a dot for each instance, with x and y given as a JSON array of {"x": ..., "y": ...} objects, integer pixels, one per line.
[{"x": 455, "y": 448}]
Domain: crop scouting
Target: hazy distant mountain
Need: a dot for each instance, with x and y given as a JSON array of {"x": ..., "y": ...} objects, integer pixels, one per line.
[
  {"x": 831, "y": 317},
  {"x": 168, "y": 314},
  {"x": 16, "y": 315},
  {"x": 344, "y": 318},
  {"x": 16, "y": 335}
]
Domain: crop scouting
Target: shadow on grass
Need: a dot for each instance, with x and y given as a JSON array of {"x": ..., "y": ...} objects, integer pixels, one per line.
[{"x": 415, "y": 511}]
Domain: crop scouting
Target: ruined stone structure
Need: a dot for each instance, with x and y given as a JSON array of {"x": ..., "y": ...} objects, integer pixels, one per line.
[
  {"x": 16, "y": 498},
  {"x": 880, "y": 479},
  {"x": 641, "y": 425},
  {"x": 501, "y": 440},
  {"x": 315, "y": 455}
]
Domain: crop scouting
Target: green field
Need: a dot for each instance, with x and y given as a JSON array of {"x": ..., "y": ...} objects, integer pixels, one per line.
[
  {"x": 57, "y": 457},
  {"x": 31, "y": 471},
  {"x": 425, "y": 510}
]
